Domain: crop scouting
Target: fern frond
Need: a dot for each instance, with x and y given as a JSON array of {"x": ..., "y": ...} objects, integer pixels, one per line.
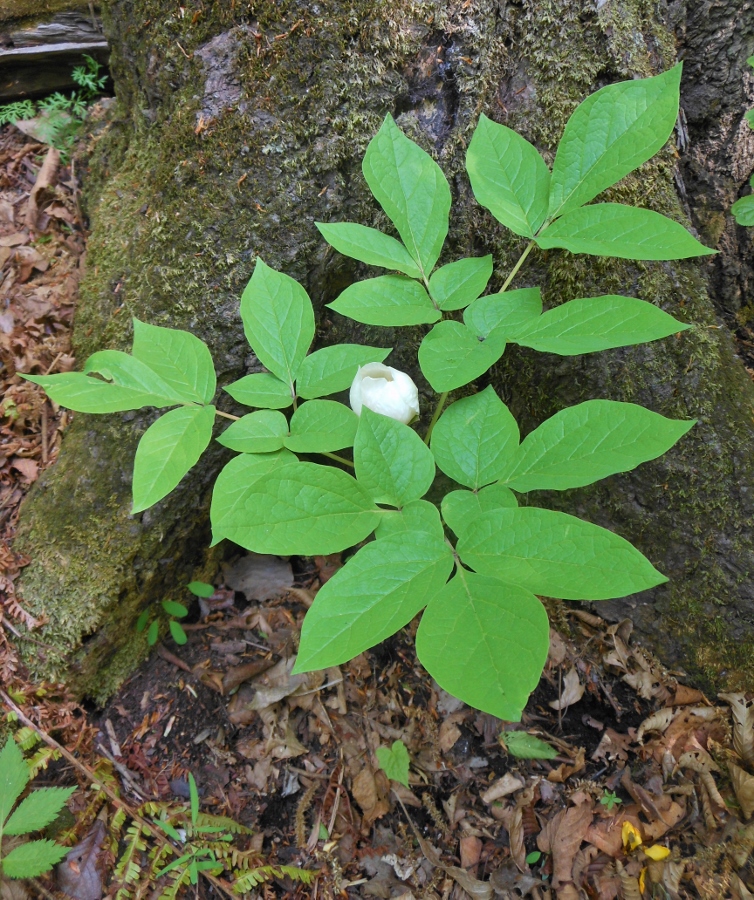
[
  {"x": 254, "y": 877},
  {"x": 26, "y": 738},
  {"x": 176, "y": 880},
  {"x": 41, "y": 759},
  {"x": 222, "y": 822},
  {"x": 128, "y": 866}
]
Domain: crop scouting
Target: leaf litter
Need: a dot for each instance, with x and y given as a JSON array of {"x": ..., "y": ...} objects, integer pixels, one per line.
[{"x": 490, "y": 809}]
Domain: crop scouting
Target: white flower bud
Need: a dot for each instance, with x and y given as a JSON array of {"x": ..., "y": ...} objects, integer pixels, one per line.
[{"x": 386, "y": 391}]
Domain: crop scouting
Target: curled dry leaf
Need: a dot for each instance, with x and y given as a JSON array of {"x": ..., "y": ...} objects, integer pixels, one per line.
[
  {"x": 503, "y": 787},
  {"x": 743, "y": 785},
  {"x": 513, "y": 821},
  {"x": 565, "y": 770},
  {"x": 370, "y": 790},
  {"x": 743, "y": 724},
  {"x": 658, "y": 721},
  {"x": 562, "y": 837},
  {"x": 629, "y": 886},
  {"x": 573, "y": 691}
]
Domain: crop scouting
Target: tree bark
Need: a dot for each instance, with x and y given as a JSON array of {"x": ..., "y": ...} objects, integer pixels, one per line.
[{"x": 237, "y": 128}]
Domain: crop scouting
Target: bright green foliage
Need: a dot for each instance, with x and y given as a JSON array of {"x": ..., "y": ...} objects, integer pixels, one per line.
[
  {"x": 474, "y": 439},
  {"x": 411, "y": 188},
  {"x": 172, "y": 609},
  {"x": 610, "y": 799},
  {"x": 387, "y": 300},
  {"x": 392, "y": 463},
  {"x": 394, "y": 762},
  {"x": 526, "y": 746},
  {"x": 483, "y": 633},
  {"x": 508, "y": 177},
  {"x": 555, "y": 555},
  {"x": 36, "y": 811},
  {"x": 485, "y": 642},
  {"x": 168, "y": 449},
  {"x": 743, "y": 209},
  {"x": 596, "y": 323},
  {"x": 201, "y": 589}
]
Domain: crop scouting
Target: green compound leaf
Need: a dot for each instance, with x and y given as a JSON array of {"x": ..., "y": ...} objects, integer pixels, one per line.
[
  {"x": 333, "y": 369},
  {"x": 261, "y": 389},
  {"x": 14, "y": 776},
  {"x": 592, "y": 440},
  {"x": 597, "y": 323},
  {"x": 258, "y": 432},
  {"x": 167, "y": 450},
  {"x": 81, "y": 393},
  {"x": 418, "y": 515},
  {"x": 37, "y": 810},
  {"x": 511, "y": 312},
  {"x": 451, "y": 355},
  {"x": 394, "y": 762},
  {"x": 612, "y": 229},
  {"x": 555, "y": 555},
  {"x": 610, "y": 134},
  {"x": 411, "y": 188},
  {"x": 508, "y": 177},
  {"x": 387, "y": 300},
  {"x": 177, "y": 609},
  {"x": 201, "y": 588},
  {"x": 369, "y": 246},
  {"x": 485, "y": 642},
  {"x": 177, "y": 632},
  {"x": 153, "y": 633},
  {"x": 320, "y": 426},
  {"x": 461, "y": 507},
  {"x": 32, "y": 859},
  {"x": 179, "y": 358},
  {"x": 141, "y": 622},
  {"x": 278, "y": 321},
  {"x": 231, "y": 486},
  {"x": 392, "y": 462},
  {"x": 457, "y": 284},
  {"x": 301, "y": 508},
  {"x": 523, "y": 745},
  {"x": 127, "y": 371},
  {"x": 377, "y": 592},
  {"x": 743, "y": 209},
  {"x": 474, "y": 439}
]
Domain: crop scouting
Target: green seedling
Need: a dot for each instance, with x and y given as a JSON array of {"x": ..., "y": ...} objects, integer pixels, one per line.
[{"x": 610, "y": 799}]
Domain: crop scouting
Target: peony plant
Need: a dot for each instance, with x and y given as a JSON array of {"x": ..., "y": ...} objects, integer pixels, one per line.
[{"x": 477, "y": 563}]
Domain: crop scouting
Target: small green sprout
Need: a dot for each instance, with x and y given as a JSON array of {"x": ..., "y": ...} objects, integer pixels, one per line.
[
  {"x": 610, "y": 799},
  {"x": 174, "y": 611}
]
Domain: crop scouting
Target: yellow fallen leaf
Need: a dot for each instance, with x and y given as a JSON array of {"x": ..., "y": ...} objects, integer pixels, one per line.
[
  {"x": 631, "y": 837},
  {"x": 657, "y": 852},
  {"x": 642, "y": 879}
]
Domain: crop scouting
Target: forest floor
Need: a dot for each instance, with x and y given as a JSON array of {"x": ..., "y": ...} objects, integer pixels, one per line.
[{"x": 643, "y": 785}]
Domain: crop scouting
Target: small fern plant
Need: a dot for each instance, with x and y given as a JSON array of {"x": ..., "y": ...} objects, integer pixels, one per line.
[{"x": 37, "y": 810}]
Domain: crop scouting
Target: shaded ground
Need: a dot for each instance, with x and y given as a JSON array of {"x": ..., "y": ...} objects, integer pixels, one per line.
[{"x": 641, "y": 764}]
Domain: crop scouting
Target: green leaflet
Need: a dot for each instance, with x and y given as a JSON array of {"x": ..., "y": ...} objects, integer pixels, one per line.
[
  {"x": 418, "y": 515},
  {"x": 555, "y": 555},
  {"x": 411, "y": 188},
  {"x": 508, "y": 177},
  {"x": 379, "y": 591},
  {"x": 320, "y": 426},
  {"x": 387, "y": 300},
  {"x": 258, "y": 432},
  {"x": 394, "y": 762},
  {"x": 261, "y": 389},
  {"x": 612, "y": 229},
  {"x": 176, "y": 609},
  {"x": 369, "y": 246},
  {"x": 332, "y": 369},
  {"x": 458, "y": 283},
  {"x": 461, "y": 507},
  {"x": 300, "y": 508},
  {"x": 592, "y": 440},
  {"x": 743, "y": 209},
  {"x": 231, "y": 487},
  {"x": 14, "y": 776},
  {"x": 278, "y": 321},
  {"x": 127, "y": 371},
  {"x": 474, "y": 439},
  {"x": 167, "y": 450},
  {"x": 485, "y": 642},
  {"x": 201, "y": 588},
  {"x": 451, "y": 355},
  {"x": 610, "y": 134},
  {"x": 526, "y": 746},
  {"x": 392, "y": 462},
  {"x": 81, "y": 393},
  {"x": 597, "y": 323},
  {"x": 179, "y": 358},
  {"x": 32, "y": 858},
  {"x": 37, "y": 810},
  {"x": 511, "y": 312}
]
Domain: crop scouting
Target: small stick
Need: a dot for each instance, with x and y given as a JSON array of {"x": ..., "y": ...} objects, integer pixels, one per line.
[{"x": 44, "y": 433}]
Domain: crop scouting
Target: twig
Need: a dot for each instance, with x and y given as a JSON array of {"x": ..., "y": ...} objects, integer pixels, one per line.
[
  {"x": 44, "y": 432},
  {"x": 435, "y": 416}
]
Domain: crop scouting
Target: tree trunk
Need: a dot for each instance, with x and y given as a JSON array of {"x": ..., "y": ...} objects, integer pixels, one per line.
[{"x": 237, "y": 127}]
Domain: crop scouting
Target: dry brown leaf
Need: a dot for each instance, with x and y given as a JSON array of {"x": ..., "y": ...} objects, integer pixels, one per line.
[
  {"x": 743, "y": 785},
  {"x": 562, "y": 837},
  {"x": 612, "y": 746},
  {"x": 370, "y": 790},
  {"x": 27, "y": 467},
  {"x": 629, "y": 886},
  {"x": 558, "y": 649},
  {"x": 470, "y": 849},
  {"x": 743, "y": 725},
  {"x": 78, "y": 874},
  {"x": 449, "y": 731},
  {"x": 15, "y": 240},
  {"x": 658, "y": 721},
  {"x": 503, "y": 787},
  {"x": 605, "y": 834},
  {"x": 45, "y": 180},
  {"x": 479, "y": 890},
  {"x": 573, "y": 691},
  {"x": 259, "y": 576},
  {"x": 565, "y": 770},
  {"x": 686, "y": 696},
  {"x": 513, "y": 820}
]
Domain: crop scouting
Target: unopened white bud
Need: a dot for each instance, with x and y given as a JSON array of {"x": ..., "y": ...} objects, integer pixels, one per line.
[{"x": 386, "y": 391}]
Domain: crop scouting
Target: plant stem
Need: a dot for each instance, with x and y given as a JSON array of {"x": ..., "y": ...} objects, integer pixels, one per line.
[
  {"x": 226, "y": 415},
  {"x": 435, "y": 416},
  {"x": 518, "y": 265},
  {"x": 340, "y": 459}
]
